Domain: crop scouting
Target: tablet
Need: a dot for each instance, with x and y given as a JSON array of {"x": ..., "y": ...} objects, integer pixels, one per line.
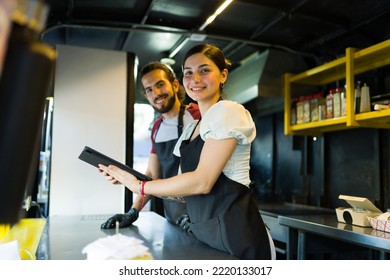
[{"x": 95, "y": 158}]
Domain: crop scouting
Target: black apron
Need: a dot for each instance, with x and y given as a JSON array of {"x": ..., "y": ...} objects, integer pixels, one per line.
[
  {"x": 170, "y": 164},
  {"x": 227, "y": 218}
]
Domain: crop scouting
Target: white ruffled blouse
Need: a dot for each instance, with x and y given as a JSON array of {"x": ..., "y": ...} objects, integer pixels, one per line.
[{"x": 227, "y": 119}]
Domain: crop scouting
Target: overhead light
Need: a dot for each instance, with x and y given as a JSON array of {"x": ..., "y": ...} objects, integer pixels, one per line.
[
  {"x": 198, "y": 36},
  {"x": 216, "y": 13}
]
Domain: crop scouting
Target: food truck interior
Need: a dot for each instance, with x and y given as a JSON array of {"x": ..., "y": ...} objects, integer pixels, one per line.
[{"x": 297, "y": 170}]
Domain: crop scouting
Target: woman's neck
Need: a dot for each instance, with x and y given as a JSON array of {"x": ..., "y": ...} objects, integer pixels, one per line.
[{"x": 204, "y": 105}]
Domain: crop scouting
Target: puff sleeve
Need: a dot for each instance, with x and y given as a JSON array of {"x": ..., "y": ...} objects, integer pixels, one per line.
[{"x": 228, "y": 119}]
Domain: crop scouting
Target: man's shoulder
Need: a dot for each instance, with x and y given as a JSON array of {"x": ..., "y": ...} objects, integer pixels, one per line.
[
  {"x": 156, "y": 123},
  {"x": 193, "y": 109}
]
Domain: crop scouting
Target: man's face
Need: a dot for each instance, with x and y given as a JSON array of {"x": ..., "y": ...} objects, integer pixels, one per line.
[{"x": 159, "y": 91}]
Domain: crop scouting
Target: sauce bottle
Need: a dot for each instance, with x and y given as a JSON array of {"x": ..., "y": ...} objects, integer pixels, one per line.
[{"x": 329, "y": 104}]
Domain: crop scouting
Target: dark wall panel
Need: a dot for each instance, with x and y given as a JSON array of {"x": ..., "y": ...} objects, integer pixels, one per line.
[
  {"x": 262, "y": 158},
  {"x": 352, "y": 165},
  {"x": 288, "y": 165}
]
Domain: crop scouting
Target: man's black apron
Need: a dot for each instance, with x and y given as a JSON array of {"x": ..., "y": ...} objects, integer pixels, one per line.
[
  {"x": 169, "y": 165},
  {"x": 227, "y": 218}
]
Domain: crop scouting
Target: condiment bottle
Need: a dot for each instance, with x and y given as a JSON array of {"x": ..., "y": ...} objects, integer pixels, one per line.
[
  {"x": 344, "y": 101},
  {"x": 357, "y": 98},
  {"x": 300, "y": 110},
  {"x": 314, "y": 108},
  {"x": 337, "y": 102},
  {"x": 321, "y": 107},
  {"x": 365, "y": 101},
  {"x": 306, "y": 109},
  {"x": 329, "y": 104},
  {"x": 293, "y": 111}
]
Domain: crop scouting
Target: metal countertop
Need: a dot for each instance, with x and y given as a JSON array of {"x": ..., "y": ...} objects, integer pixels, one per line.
[
  {"x": 65, "y": 237},
  {"x": 328, "y": 226}
]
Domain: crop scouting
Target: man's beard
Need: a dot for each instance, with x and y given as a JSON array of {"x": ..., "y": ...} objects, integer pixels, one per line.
[{"x": 166, "y": 108}]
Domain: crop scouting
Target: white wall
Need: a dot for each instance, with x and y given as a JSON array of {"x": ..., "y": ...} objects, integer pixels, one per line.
[{"x": 89, "y": 110}]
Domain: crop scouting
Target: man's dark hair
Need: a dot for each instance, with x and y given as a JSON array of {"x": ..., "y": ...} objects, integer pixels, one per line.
[{"x": 158, "y": 65}]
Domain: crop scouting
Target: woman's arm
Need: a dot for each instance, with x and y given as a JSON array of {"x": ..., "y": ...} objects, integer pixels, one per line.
[
  {"x": 153, "y": 170},
  {"x": 214, "y": 156}
]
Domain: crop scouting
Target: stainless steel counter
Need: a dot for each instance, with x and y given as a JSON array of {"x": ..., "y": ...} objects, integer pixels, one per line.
[
  {"x": 65, "y": 237},
  {"x": 328, "y": 226},
  {"x": 280, "y": 234}
]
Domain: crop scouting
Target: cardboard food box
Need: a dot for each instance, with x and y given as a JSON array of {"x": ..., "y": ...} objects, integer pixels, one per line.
[
  {"x": 381, "y": 222},
  {"x": 358, "y": 215}
]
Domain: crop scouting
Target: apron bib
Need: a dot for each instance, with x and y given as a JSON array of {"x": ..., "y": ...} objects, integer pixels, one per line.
[
  {"x": 170, "y": 164},
  {"x": 227, "y": 218}
]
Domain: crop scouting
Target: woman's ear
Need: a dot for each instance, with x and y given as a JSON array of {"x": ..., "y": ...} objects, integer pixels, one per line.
[{"x": 224, "y": 75}]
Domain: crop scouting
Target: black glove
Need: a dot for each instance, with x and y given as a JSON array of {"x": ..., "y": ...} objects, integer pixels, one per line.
[
  {"x": 124, "y": 220},
  {"x": 184, "y": 222}
]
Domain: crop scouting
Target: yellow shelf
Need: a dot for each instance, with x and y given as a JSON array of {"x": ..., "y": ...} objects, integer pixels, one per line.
[
  {"x": 354, "y": 62},
  {"x": 372, "y": 57},
  {"x": 319, "y": 127},
  {"x": 323, "y": 74},
  {"x": 376, "y": 119}
]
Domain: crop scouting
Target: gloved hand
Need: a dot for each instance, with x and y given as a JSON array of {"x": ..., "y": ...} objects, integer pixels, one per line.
[
  {"x": 124, "y": 220},
  {"x": 184, "y": 222}
]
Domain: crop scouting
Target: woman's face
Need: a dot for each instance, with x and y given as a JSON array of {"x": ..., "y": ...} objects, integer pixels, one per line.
[{"x": 202, "y": 78}]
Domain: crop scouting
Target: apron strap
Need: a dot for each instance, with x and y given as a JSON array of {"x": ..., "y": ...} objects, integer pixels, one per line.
[
  {"x": 180, "y": 123},
  {"x": 180, "y": 120}
]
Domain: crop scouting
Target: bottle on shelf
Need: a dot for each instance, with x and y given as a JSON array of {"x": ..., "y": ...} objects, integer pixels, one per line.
[
  {"x": 300, "y": 109},
  {"x": 314, "y": 107},
  {"x": 365, "y": 101},
  {"x": 344, "y": 101},
  {"x": 321, "y": 107},
  {"x": 329, "y": 104},
  {"x": 337, "y": 102},
  {"x": 306, "y": 109},
  {"x": 293, "y": 111},
  {"x": 357, "y": 98}
]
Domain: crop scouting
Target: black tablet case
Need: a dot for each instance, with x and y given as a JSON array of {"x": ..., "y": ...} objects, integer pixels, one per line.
[{"x": 95, "y": 158}]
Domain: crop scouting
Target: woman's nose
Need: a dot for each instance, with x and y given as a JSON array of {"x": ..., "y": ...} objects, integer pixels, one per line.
[{"x": 196, "y": 77}]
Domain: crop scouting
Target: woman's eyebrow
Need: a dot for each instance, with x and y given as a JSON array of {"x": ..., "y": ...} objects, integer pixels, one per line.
[{"x": 200, "y": 66}]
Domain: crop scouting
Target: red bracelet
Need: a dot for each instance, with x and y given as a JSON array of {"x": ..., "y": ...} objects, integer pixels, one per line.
[{"x": 142, "y": 189}]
